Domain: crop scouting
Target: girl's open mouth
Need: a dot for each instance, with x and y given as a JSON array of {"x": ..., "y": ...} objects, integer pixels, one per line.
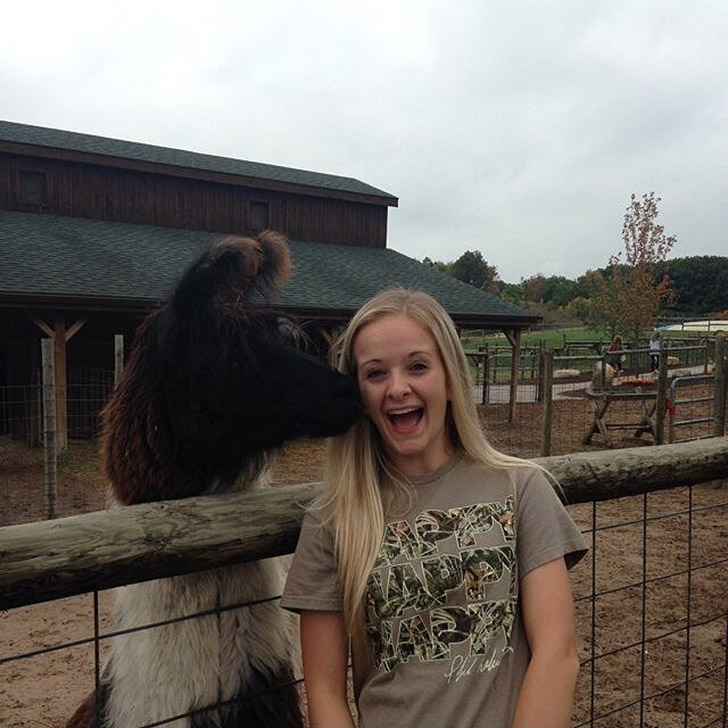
[{"x": 406, "y": 421}]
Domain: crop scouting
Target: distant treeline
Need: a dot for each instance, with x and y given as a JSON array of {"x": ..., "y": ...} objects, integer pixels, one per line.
[{"x": 700, "y": 283}]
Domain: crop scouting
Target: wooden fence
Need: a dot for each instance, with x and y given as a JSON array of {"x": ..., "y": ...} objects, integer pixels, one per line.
[{"x": 48, "y": 560}]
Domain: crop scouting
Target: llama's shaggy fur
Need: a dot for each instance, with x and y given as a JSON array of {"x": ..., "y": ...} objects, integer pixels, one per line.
[
  {"x": 169, "y": 670},
  {"x": 212, "y": 386}
]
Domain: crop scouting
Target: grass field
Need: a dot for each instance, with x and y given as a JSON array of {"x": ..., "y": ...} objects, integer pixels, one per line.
[
  {"x": 579, "y": 358},
  {"x": 557, "y": 338}
]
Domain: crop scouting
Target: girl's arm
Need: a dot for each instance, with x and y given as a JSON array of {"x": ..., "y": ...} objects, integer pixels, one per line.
[
  {"x": 325, "y": 651},
  {"x": 547, "y": 693}
]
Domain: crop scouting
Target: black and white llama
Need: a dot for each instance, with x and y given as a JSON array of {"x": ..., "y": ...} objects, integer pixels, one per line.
[{"x": 212, "y": 386}]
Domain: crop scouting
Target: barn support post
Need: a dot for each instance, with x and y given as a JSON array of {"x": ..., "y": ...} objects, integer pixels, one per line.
[
  {"x": 514, "y": 337},
  {"x": 721, "y": 382},
  {"x": 50, "y": 450},
  {"x": 118, "y": 357},
  {"x": 660, "y": 404},
  {"x": 60, "y": 335},
  {"x": 329, "y": 336},
  {"x": 547, "y": 397}
]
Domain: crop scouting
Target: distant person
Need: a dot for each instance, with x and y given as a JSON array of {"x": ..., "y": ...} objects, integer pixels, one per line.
[
  {"x": 614, "y": 355},
  {"x": 655, "y": 349}
]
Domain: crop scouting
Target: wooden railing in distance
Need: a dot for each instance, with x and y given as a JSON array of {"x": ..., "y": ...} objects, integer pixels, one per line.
[{"x": 54, "y": 559}]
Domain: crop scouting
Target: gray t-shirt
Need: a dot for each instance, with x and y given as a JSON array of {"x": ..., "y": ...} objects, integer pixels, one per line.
[{"x": 447, "y": 645}]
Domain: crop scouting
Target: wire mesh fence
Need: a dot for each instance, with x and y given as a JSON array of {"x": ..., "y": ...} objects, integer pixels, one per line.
[
  {"x": 652, "y": 610},
  {"x": 23, "y": 462},
  {"x": 651, "y": 600}
]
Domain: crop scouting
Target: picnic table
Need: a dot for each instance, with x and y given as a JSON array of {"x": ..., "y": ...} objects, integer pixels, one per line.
[{"x": 601, "y": 399}]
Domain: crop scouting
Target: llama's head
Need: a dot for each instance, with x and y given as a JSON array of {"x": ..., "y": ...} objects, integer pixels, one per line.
[{"x": 215, "y": 381}]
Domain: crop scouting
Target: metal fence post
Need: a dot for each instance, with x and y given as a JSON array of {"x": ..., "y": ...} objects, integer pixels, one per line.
[
  {"x": 50, "y": 450},
  {"x": 720, "y": 384}
]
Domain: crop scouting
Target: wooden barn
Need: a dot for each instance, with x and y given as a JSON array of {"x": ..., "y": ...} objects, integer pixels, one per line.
[{"x": 94, "y": 231}]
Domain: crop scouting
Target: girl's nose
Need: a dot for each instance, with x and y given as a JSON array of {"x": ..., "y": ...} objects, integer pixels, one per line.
[{"x": 399, "y": 386}]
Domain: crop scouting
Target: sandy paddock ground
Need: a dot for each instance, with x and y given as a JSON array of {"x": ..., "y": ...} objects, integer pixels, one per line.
[{"x": 41, "y": 691}]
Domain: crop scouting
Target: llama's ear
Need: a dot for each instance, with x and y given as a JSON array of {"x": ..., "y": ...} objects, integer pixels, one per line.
[
  {"x": 227, "y": 272},
  {"x": 276, "y": 266}
]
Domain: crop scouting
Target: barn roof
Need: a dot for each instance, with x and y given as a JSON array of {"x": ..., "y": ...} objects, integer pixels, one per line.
[
  {"x": 91, "y": 265},
  {"x": 26, "y": 137}
]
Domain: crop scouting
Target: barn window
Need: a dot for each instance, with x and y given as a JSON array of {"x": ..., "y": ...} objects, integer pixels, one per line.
[
  {"x": 32, "y": 187},
  {"x": 258, "y": 215}
]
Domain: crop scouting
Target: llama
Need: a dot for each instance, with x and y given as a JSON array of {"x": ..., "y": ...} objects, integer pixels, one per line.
[{"x": 213, "y": 385}]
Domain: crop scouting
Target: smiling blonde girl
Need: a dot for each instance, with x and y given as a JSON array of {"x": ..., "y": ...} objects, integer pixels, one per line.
[{"x": 441, "y": 562}]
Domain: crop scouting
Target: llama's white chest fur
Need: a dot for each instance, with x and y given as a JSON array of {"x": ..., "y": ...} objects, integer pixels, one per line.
[{"x": 168, "y": 670}]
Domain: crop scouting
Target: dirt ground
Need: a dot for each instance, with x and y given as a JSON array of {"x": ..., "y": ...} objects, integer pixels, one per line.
[{"x": 42, "y": 678}]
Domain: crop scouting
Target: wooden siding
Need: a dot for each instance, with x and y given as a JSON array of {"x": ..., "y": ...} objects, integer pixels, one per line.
[{"x": 104, "y": 193}]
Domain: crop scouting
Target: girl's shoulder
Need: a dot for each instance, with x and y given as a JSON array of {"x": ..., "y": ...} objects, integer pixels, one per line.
[{"x": 514, "y": 477}]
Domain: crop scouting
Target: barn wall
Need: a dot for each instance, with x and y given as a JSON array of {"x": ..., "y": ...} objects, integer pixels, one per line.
[{"x": 93, "y": 191}]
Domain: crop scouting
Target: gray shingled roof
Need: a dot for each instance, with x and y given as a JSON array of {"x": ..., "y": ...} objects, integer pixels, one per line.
[
  {"x": 44, "y": 256},
  {"x": 58, "y": 139}
]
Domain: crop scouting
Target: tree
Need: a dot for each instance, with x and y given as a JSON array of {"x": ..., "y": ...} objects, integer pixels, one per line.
[
  {"x": 701, "y": 282},
  {"x": 534, "y": 287},
  {"x": 606, "y": 309},
  {"x": 629, "y": 297},
  {"x": 645, "y": 246},
  {"x": 438, "y": 265},
  {"x": 512, "y": 292},
  {"x": 473, "y": 269},
  {"x": 559, "y": 291}
]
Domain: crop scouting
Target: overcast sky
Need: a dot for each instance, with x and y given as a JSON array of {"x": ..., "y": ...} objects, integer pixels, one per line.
[{"x": 519, "y": 129}]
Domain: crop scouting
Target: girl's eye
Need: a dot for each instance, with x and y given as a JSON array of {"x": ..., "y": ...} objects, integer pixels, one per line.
[
  {"x": 373, "y": 374},
  {"x": 419, "y": 366}
]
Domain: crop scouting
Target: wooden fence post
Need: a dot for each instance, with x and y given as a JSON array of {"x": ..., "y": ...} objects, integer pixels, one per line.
[
  {"x": 721, "y": 372},
  {"x": 61, "y": 412},
  {"x": 548, "y": 381},
  {"x": 541, "y": 365},
  {"x": 660, "y": 404},
  {"x": 118, "y": 357},
  {"x": 515, "y": 340},
  {"x": 50, "y": 450},
  {"x": 486, "y": 374}
]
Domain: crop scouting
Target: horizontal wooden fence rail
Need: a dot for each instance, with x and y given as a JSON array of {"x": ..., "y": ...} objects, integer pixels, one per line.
[{"x": 54, "y": 559}]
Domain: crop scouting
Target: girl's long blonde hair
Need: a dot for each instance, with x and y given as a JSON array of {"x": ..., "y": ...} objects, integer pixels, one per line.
[{"x": 357, "y": 464}]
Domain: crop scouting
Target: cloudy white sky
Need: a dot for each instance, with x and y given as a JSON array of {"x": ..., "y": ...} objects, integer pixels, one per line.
[{"x": 517, "y": 128}]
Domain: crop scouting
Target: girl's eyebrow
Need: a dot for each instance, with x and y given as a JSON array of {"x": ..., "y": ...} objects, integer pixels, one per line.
[{"x": 411, "y": 355}]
